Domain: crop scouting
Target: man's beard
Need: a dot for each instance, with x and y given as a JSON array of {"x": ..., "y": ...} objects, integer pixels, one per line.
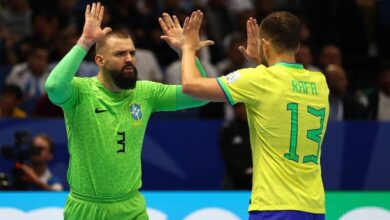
[{"x": 122, "y": 81}]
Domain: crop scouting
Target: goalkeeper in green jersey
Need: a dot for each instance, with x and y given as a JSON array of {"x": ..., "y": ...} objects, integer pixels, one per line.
[{"x": 106, "y": 117}]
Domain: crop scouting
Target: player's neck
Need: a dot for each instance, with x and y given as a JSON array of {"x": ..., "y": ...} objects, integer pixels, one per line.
[
  {"x": 285, "y": 58},
  {"x": 107, "y": 82}
]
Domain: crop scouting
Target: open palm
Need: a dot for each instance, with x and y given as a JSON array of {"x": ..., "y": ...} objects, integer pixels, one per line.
[
  {"x": 93, "y": 19},
  {"x": 191, "y": 32},
  {"x": 174, "y": 32},
  {"x": 252, "y": 50}
]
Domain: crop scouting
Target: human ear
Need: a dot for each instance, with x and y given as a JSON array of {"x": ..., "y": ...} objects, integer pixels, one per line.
[{"x": 99, "y": 60}]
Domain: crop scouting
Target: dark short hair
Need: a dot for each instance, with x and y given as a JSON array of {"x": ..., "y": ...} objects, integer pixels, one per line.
[
  {"x": 117, "y": 34},
  {"x": 283, "y": 29},
  {"x": 13, "y": 89}
]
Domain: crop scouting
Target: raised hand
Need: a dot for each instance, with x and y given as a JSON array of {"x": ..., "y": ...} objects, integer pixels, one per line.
[
  {"x": 191, "y": 32},
  {"x": 92, "y": 32},
  {"x": 173, "y": 32},
  {"x": 252, "y": 50}
]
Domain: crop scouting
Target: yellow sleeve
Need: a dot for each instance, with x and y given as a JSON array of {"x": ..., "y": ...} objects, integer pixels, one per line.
[{"x": 242, "y": 85}]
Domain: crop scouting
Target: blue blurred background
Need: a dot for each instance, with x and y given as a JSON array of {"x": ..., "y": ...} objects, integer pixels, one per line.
[{"x": 184, "y": 154}]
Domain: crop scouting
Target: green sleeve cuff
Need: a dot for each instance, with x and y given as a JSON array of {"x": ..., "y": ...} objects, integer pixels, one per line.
[
  {"x": 225, "y": 91},
  {"x": 184, "y": 101}
]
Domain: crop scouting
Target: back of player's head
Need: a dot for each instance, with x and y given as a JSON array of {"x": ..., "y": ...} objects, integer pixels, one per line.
[
  {"x": 113, "y": 34},
  {"x": 282, "y": 29}
]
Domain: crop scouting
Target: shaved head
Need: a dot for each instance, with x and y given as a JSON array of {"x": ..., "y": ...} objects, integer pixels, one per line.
[{"x": 101, "y": 45}]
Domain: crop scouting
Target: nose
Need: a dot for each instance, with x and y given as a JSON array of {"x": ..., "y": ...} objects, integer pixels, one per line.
[{"x": 129, "y": 58}]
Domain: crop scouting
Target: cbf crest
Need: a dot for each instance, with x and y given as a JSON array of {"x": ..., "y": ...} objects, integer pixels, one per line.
[{"x": 135, "y": 111}]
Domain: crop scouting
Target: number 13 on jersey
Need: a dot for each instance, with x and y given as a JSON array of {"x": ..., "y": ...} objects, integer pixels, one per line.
[{"x": 312, "y": 134}]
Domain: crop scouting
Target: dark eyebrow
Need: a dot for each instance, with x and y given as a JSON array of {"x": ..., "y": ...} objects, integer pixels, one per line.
[{"x": 124, "y": 51}]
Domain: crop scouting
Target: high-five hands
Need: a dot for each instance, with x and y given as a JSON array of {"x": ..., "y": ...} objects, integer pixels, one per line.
[
  {"x": 252, "y": 50},
  {"x": 191, "y": 32},
  {"x": 92, "y": 32},
  {"x": 174, "y": 33}
]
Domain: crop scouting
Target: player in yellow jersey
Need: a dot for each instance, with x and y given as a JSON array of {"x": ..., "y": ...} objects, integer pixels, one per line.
[{"x": 287, "y": 108}]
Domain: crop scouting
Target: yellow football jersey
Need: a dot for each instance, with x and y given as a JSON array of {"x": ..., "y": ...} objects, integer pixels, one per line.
[{"x": 288, "y": 109}]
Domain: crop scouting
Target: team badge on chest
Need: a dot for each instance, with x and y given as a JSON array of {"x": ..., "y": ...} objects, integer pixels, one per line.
[{"x": 135, "y": 110}]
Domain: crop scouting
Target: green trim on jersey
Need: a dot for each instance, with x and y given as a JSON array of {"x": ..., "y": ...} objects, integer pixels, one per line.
[
  {"x": 287, "y": 126},
  {"x": 225, "y": 90},
  {"x": 291, "y": 65}
]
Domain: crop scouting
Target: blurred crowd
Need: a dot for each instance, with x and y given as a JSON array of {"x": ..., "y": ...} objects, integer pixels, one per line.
[{"x": 346, "y": 40}]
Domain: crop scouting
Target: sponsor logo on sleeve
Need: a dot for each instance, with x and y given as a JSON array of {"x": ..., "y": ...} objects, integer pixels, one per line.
[{"x": 231, "y": 77}]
